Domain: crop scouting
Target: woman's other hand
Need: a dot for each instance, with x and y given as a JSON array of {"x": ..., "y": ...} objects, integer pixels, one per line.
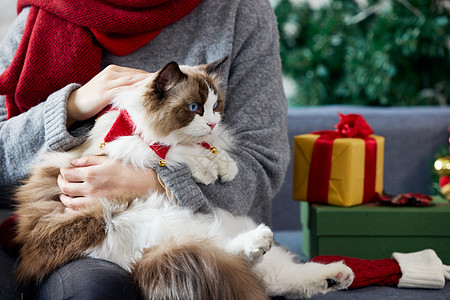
[
  {"x": 91, "y": 98},
  {"x": 95, "y": 177}
]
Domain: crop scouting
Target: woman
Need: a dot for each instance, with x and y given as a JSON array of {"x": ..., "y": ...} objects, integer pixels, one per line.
[{"x": 245, "y": 31}]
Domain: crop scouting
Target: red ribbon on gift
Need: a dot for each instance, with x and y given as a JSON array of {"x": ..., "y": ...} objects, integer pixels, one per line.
[{"x": 349, "y": 126}]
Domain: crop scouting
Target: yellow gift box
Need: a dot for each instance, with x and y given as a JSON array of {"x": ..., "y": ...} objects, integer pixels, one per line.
[{"x": 346, "y": 181}]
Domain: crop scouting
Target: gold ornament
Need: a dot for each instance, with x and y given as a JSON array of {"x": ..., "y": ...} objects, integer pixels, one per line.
[
  {"x": 162, "y": 163},
  {"x": 213, "y": 150},
  {"x": 102, "y": 145},
  {"x": 442, "y": 165}
]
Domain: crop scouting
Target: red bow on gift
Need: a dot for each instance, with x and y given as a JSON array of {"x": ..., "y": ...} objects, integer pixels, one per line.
[{"x": 353, "y": 126}]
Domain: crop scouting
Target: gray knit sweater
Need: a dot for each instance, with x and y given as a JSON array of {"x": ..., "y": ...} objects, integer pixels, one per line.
[{"x": 246, "y": 31}]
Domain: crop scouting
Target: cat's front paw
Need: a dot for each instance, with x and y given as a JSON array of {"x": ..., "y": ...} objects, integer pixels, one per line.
[
  {"x": 203, "y": 169},
  {"x": 227, "y": 167}
]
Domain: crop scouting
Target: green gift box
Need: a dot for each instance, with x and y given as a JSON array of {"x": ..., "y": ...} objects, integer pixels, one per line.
[{"x": 373, "y": 231}]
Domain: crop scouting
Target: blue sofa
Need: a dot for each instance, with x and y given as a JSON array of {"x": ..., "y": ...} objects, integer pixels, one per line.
[{"x": 413, "y": 135}]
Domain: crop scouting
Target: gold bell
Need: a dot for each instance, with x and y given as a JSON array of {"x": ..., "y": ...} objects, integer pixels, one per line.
[
  {"x": 162, "y": 163},
  {"x": 102, "y": 145},
  {"x": 213, "y": 150}
]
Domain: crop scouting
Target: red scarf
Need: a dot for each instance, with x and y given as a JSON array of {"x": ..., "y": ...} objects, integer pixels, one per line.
[{"x": 62, "y": 42}]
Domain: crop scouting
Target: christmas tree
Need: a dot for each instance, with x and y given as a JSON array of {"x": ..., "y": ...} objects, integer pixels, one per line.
[{"x": 366, "y": 52}]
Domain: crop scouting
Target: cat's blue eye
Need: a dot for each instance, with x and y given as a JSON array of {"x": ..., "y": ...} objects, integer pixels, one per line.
[
  {"x": 193, "y": 106},
  {"x": 215, "y": 105}
]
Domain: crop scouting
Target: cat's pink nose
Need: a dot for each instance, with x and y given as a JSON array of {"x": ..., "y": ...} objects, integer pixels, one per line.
[{"x": 211, "y": 125}]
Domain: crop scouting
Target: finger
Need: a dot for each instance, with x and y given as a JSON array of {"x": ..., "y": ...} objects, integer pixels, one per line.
[
  {"x": 128, "y": 79},
  {"x": 75, "y": 202},
  {"x": 123, "y": 84},
  {"x": 87, "y": 161},
  {"x": 112, "y": 93},
  {"x": 73, "y": 174},
  {"x": 114, "y": 72},
  {"x": 71, "y": 188},
  {"x": 121, "y": 69},
  {"x": 65, "y": 200}
]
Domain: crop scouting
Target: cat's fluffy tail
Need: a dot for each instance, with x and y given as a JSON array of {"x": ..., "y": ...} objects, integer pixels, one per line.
[
  {"x": 56, "y": 240},
  {"x": 195, "y": 270}
]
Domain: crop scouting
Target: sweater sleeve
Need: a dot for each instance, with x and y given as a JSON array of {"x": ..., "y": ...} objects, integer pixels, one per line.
[
  {"x": 255, "y": 112},
  {"x": 41, "y": 128}
]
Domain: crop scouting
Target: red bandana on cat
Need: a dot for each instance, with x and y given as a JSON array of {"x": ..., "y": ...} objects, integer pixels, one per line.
[
  {"x": 61, "y": 42},
  {"x": 124, "y": 126}
]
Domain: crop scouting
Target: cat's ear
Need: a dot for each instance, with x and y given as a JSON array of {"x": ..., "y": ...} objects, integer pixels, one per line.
[
  {"x": 215, "y": 66},
  {"x": 168, "y": 77}
]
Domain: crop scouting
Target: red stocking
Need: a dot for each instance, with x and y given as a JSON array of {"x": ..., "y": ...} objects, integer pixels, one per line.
[
  {"x": 367, "y": 272},
  {"x": 422, "y": 269}
]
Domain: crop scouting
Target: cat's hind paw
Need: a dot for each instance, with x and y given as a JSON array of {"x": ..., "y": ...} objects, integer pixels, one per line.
[
  {"x": 333, "y": 277},
  {"x": 320, "y": 279},
  {"x": 341, "y": 278},
  {"x": 260, "y": 241}
]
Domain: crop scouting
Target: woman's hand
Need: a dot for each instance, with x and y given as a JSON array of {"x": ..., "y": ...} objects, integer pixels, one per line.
[
  {"x": 91, "y": 98},
  {"x": 93, "y": 177}
]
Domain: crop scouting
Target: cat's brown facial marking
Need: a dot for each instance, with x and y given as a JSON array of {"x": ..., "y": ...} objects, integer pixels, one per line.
[{"x": 175, "y": 97}]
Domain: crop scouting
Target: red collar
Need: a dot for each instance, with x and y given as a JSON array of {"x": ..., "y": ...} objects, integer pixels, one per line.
[
  {"x": 208, "y": 147},
  {"x": 124, "y": 126}
]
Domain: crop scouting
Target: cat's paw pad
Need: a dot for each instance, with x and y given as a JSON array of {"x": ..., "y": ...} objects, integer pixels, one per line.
[
  {"x": 340, "y": 276},
  {"x": 260, "y": 241}
]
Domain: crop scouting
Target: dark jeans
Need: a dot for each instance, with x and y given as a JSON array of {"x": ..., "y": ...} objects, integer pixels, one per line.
[
  {"x": 8, "y": 288},
  {"x": 80, "y": 279},
  {"x": 88, "y": 279}
]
